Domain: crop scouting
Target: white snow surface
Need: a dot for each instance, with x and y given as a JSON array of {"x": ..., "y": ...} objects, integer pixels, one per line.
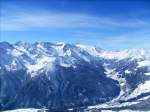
[
  {"x": 148, "y": 74},
  {"x": 45, "y": 62},
  {"x": 122, "y": 111},
  {"x": 144, "y": 63},
  {"x": 127, "y": 71},
  {"x": 36, "y": 56},
  {"x": 26, "y": 110},
  {"x": 142, "y": 88},
  {"x": 90, "y": 49}
]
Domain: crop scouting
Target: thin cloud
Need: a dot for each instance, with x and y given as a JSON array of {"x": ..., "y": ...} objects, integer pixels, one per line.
[
  {"x": 139, "y": 39},
  {"x": 125, "y": 41},
  {"x": 29, "y": 21}
]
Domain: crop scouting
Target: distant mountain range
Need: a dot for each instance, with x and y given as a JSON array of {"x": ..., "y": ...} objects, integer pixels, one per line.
[{"x": 65, "y": 76}]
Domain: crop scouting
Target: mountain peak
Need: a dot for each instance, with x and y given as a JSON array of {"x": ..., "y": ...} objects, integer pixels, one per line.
[{"x": 27, "y": 54}]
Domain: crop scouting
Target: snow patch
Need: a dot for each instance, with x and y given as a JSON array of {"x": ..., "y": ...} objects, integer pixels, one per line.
[
  {"x": 148, "y": 74},
  {"x": 45, "y": 62},
  {"x": 143, "y": 63},
  {"x": 65, "y": 65},
  {"x": 90, "y": 49},
  {"x": 142, "y": 88},
  {"x": 16, "y": 53},
  {"x": 127, "y": 71},
  {"x": 59, "y": 49}
]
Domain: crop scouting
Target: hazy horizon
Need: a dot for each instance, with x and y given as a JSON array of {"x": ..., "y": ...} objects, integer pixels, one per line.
[{"x": 112, "y": 25}]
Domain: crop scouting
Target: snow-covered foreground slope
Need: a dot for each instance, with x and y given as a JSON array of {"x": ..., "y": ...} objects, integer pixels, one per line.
[
  {"x": 121, "y": 111},
  {"x": 23, "y": 110},
  {"x": 27, "y": 110},
  {"x": 61, "y": 76},
  {"x": 39, "y": 110}
]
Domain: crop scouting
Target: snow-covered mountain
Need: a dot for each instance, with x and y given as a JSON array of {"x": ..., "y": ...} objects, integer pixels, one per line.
[{"x": 63, "y": 76}]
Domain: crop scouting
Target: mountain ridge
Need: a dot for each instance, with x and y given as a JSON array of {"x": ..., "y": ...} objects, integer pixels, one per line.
[{"x": 67, "y": 75}]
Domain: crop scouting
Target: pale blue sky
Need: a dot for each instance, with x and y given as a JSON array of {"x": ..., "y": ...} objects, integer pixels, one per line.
[{"x": 110, "y": 24}]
